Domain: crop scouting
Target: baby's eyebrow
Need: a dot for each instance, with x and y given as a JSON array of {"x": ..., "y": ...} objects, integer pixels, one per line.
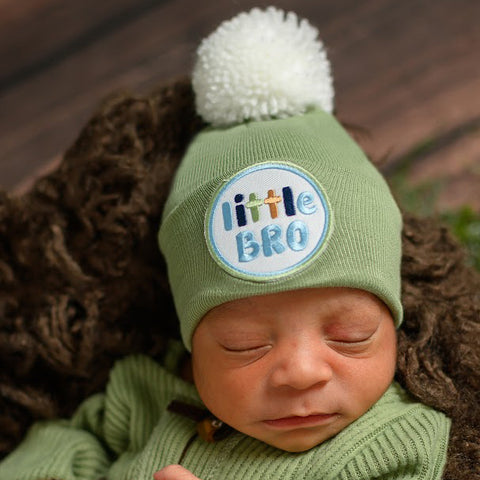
[
  {"x": 238, "y": 307},
  {"x": 358, "y": 308},
  {"x": 353, "y": 315},
  {"x": 346, "y": 326},
  {"x": 354, "y": 329},
  {"x": 241, "y": 336}
]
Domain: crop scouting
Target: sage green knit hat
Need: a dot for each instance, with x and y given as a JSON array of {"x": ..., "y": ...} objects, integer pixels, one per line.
[{"x": 275, "y": 195}]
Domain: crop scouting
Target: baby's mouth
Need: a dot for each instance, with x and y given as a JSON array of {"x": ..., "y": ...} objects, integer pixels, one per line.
[{"x": 303, "y": 421}]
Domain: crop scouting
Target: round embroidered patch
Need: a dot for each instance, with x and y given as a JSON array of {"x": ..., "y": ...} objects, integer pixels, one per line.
[{"x": 267, "y": 221}]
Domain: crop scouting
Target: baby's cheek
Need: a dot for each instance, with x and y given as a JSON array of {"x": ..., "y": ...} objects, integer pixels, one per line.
[{"x": 373, "y": 383}]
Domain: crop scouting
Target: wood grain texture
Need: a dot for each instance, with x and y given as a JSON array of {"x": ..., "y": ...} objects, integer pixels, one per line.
[{"x": 407, "y": 71}]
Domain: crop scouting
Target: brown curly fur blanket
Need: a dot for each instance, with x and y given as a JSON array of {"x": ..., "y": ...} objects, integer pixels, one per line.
[{"x": 82, "y": 282}]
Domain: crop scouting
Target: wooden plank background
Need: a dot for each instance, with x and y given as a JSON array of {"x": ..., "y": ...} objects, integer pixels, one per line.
[{"x": 408, "y": 71}]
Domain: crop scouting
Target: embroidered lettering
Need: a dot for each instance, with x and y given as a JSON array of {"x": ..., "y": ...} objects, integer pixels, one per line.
[
  {"x": 288, "y": 201},
  {"x": 272, "y": 201},
  {"x": 253, "y": 204},
  {"x": 240, "y": 211},
  {"x": 227, "y": 216},
  {"x": 271, "y": 240},
  {"x": 305, "y": 203},
  {"x": 247, "y": 247},
  {"x": 297, "y": 236}
]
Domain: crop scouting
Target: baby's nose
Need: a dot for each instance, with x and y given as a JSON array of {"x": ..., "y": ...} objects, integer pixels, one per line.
[{"x": 301, "y": 367}]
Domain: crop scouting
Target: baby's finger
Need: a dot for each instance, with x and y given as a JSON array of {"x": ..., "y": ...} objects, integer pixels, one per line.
[{"x": 174, "y": 472}]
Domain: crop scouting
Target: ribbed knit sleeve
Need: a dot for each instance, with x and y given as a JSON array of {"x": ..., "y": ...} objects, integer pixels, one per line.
[
  {"x": 106, "y": 431},
  {"x": 136, "y": 396},
  {"x": 60, "y": 450}
]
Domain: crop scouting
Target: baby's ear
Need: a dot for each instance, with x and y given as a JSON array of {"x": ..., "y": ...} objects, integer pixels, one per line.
[
  {"x": 82, "y": 281},
  {"x": 439, "y": 341}
]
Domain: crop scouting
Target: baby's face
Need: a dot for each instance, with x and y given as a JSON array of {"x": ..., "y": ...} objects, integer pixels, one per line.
[{"x": 293, "y": 369}]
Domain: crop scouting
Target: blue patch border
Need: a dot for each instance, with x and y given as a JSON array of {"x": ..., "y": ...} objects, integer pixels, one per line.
[{"x": 248, "y": 275}]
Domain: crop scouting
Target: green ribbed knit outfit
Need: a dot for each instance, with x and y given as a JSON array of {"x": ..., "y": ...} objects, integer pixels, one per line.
[{"x": 127, "y": 434}]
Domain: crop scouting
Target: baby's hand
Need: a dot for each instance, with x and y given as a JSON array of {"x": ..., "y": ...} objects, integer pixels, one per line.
[{"x": 174, "y": 472}]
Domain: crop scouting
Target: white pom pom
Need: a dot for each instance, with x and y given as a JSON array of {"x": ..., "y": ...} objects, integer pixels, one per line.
[{"x": 260, "y": 65}]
